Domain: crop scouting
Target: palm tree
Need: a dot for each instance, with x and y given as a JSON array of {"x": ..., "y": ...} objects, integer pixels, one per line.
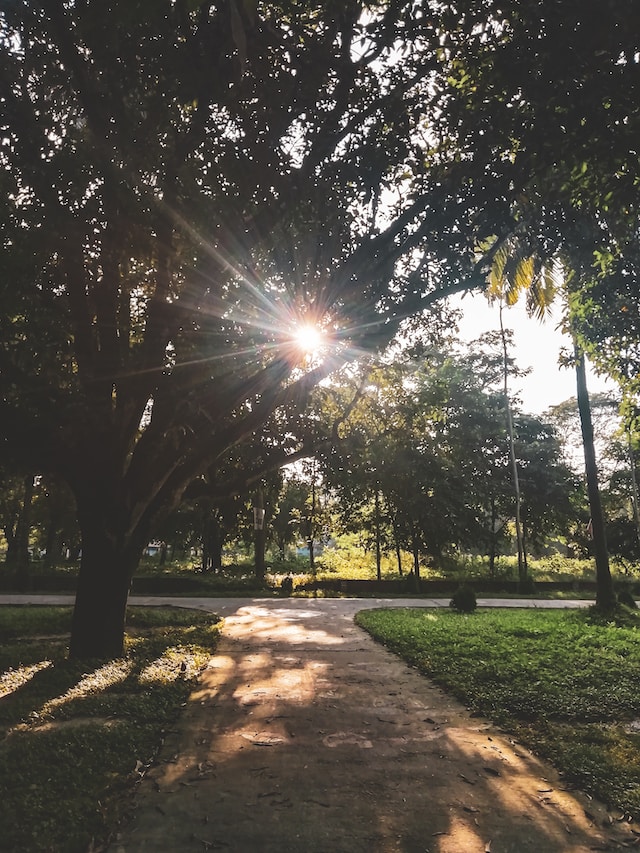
[
  {"x": 515, "y": 271},
  {"x": 512, "y": 274},
  {"x": 522, "y": 553}
]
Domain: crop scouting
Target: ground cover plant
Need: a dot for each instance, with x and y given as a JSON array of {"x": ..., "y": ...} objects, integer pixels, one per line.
[
  {"x": 563, "y": 682},
  {"x": 76, "y": 736}
]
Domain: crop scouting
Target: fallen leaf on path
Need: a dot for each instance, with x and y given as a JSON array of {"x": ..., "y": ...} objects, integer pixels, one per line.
[{"x": 263, "y": 739}]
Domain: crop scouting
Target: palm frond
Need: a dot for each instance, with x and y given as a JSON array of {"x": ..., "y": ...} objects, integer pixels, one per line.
[{"x": 541, "y": 293}]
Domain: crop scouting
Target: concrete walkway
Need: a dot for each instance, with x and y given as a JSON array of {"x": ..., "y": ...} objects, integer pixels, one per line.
[
  {"x": 227, "y": 606},
  {"x": 306, "y": 736}
]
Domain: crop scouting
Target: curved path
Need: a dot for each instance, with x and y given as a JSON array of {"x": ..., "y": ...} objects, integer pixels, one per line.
[{"x": 306, "y": 736}]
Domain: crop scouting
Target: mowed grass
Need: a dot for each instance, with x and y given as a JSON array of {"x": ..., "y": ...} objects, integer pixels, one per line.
[
  {"x": 564, "y": 683},
  {"x": 76, "y": 737}
]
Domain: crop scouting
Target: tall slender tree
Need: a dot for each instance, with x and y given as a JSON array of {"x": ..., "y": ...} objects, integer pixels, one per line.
[{"x": 605, "y": 594}]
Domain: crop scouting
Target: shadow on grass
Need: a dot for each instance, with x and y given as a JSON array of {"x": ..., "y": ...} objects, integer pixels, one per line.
[{"x": 81, "y": 733}]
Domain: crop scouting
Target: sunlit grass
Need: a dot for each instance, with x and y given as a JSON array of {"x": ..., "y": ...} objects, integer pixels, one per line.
[
  {"x": 565, "y": 684},
  {"x": 14, "y": 679},
  {"x": 103, "y": 678},
  {"x": 76, "y": 736}
]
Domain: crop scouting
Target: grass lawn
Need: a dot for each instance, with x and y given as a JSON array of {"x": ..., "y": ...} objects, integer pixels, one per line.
[
  {"x": 76, "y": 737},
  {"x": 564, "y": 685}
]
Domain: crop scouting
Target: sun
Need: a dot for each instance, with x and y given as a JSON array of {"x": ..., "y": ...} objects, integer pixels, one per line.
[{"x": 308, "y": 338}]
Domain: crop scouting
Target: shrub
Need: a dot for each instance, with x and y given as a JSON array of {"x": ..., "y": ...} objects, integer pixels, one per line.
[{"x": 464, "y": 600}]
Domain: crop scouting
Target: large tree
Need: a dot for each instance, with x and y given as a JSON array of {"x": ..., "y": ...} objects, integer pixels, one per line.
[{"x": 183, "y": 184}]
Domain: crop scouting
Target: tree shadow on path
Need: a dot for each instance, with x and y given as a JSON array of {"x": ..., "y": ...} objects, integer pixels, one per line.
[{"x": 306, "y": 736}]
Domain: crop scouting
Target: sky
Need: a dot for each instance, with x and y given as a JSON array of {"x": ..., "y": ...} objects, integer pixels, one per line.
[{"x": 538, "y": 347}]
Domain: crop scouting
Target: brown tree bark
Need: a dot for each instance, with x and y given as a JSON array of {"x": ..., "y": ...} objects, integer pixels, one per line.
[
  {"x": 605, "y": 595},
  {"x": 18, "y": 545}
]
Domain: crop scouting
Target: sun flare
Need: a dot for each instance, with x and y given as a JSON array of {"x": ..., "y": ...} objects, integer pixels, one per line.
[{"x": 308, "y": 338}]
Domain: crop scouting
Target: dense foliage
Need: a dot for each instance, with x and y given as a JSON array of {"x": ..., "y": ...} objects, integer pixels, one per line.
[{"x": 421, "y": 463}]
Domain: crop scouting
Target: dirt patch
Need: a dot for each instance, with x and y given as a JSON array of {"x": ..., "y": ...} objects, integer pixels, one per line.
[{"x": 306, "y": 736}]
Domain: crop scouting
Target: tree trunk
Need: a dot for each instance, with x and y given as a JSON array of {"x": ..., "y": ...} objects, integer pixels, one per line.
[
  {"x": 216, "y": 551},
  {"x": 97, "y": 629},
  {"x": 492, "y": 552},
  {"x": 378, "y": 544},
  {"x": 522, "y": 563},
  {"x": 218, "y": 538},
  {"x": 634, "y": 488},
  {"x": 399, "y": 557},
  {"x": 524, "y": 547},
  {"x": 260, "y": 534},
  {"x": 108, "y": 562},
  {"x": 312, "y": 522},
  {"x": 396, "y": 539},
  {"x": 415, "y": 547},
  {"x": 52, "y": 544},
  {"x": 18, "y": 546},
  {"x": 605, "y": 595},
  {"x": 205, "y": 560},
  {"x": 205, "y": 539}
]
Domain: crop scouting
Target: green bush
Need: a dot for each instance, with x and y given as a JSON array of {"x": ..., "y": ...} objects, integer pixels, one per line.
[
  {"x": 464, "y": 600},
  {"x": 289, "y": 566}
]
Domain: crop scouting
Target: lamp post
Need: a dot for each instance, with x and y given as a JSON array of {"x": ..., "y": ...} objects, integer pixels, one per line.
[{"x": 259, "y": 532}]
